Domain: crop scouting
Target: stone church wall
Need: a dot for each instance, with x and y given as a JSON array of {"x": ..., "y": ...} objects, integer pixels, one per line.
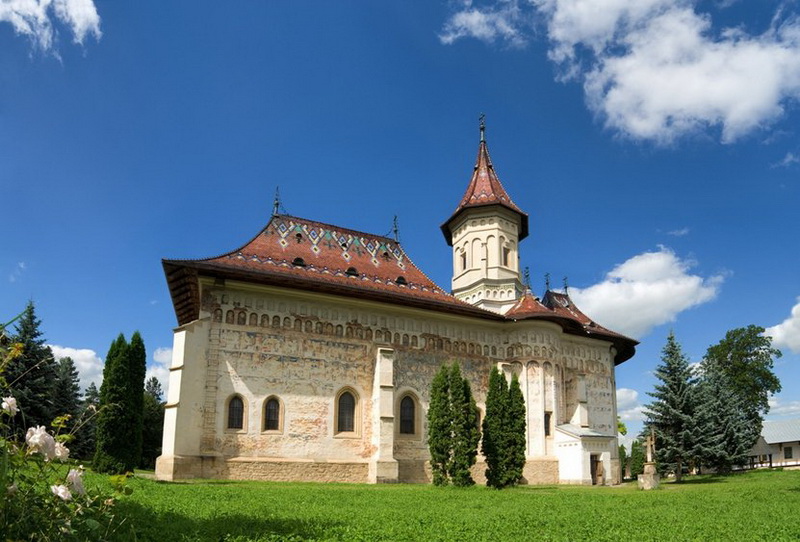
[{"x": 304, "y": 349}]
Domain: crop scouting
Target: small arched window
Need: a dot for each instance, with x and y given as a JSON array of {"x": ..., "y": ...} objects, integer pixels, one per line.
[
  {"x": 272, "y": 415},
  {"x": 407, "y": 411},
  {"x": 346, "y": 415},
  {"x": 236, "y": 413}
]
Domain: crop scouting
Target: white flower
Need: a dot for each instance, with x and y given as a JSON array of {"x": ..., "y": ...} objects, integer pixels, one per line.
[
  {"x": 10, "y": 406},
  {"x": 39, "y": 440},
  {"x": 61, "y": 451},
  {"x": 61, "y": 492},
  {"x": 75, "y": 480}
]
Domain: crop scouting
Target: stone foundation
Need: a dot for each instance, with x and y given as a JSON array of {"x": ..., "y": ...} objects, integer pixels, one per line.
[{"x": 536, "y": 472}]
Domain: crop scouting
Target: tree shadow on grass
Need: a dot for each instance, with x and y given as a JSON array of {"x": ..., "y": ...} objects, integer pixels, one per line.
[
  {"x": 701, "y": 479},
  {"x": 142, "y": 524}
]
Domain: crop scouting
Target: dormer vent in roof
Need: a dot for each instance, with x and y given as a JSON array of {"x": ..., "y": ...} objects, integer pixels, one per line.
[
  {"x": 401, "y": 280},
  {"x": 299, "y": 262},
  {"x": 351, "y": 272}
]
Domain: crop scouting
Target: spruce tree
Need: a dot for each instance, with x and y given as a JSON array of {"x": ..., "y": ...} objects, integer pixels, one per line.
[
  {"x": 465, "y": 434},
  {"x": 153, "y": 388},
  {"x": 730, "y": 425},
  {"x": 114, "y": 436},
  {"x": 439, "y": 426},
  {"x": 671, "y": 414},
  {"x": 84, "y": 445},
  {"x": 137, "y": 367},
  {"x": 30, "y": 377},
  {"x": 66, "y": 393}
]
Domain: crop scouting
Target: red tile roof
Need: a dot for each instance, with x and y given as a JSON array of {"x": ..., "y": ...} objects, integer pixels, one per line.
[
  {"x": 297, "y": 253},
  {"x": 485, "y": 189}
]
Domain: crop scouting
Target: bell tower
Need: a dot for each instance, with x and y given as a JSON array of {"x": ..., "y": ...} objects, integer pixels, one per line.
[{"x": 485, "y": 231}]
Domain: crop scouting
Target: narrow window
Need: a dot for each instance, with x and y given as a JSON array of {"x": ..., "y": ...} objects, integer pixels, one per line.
[
  {"x": 346, "y": 419},
  {"x": 787, "y": 452},
  {"x": 272, "y": 415},
  {"x": 463, "y": 261},
  {"x": 236, "y": 413},
  {"x": 407, "y": 415},
  {"x": 547, "y": 420},
  {"x": 506, "y": 254}
]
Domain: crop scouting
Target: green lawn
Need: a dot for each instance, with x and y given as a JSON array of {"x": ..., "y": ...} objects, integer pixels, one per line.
[{"x": 753, "y": 506}]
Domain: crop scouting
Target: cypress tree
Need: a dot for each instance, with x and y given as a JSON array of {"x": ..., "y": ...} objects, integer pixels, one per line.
[
  {"x": 671, "y": 415},
  {"x": 114, "y": 429},
  {"x": 137, "y": 370},
  {"x": 465, "y": 429},
  {"x": 493, "y": 444},
  {"x": 153, "y": 417},
  {"x": 515, "y": 423},
  {"x": 30, "y": 376},
  {"x": 439, "y": 426}
]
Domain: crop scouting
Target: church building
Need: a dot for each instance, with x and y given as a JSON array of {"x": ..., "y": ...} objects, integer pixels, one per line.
[{"x": 308, "y": 353}]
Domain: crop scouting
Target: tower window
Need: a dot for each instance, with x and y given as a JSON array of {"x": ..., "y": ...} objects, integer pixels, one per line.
[
  {"x": 463, "y": 261},
  {"x": 506, "y": 254},
  {"x": 548, "y": 418}
]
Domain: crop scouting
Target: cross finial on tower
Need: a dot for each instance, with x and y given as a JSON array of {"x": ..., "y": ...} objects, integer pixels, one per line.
[
  {"x": 483, "y": 127},
  {"x": 527, "y": 276},
  {"x": 547, "y": 282},
  {"x": 566, "y": 286},
  {"x": 396, "y": 230}
]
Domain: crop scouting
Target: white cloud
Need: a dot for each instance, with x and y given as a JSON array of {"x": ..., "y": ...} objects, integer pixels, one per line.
[
  {"x": 87, "y": 362},
  {"x": 35, "y": 19},
  {"x": 17, "y": 272},
  {"x": 787, "y": 333},
  {"x": 645, "y": 291},
  {"x": 498, "y": 23},
  {"x": 679, "y": 233},
  {"x": 162, "y": 358},
  {"x": 658, "y": 69},
  {"x": 628, "y": 407},
  {"x": 788, "y": 160},
  {"x": 777, "y": 408}
]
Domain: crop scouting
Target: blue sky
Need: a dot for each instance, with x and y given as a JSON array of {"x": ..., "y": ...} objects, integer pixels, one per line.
[{"x": 653, "y": 143}]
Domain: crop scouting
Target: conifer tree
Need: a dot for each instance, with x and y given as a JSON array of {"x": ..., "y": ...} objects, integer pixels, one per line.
[
  {"x": 153, "y": 418},
  {"x": 503, "y": 443},
  {"x": 66, "y": 392},
  {"x": 729, "y": 427},
  {"x": 493, "y": 441},
  {"x": 515, "y": 455},
  {"x": 84, "y": 444},
  {"x": 114, "y": 427},
  {"x": 637, "y": 458},
  {"x": 671, "y": 414},
  {"x": 623, "y": 461},
  {"x": 439, "y": 426},
  {"x": 30, "y": 376},
  {"x": 137, "y": 370},
  {"x": 465, "y": 434}
]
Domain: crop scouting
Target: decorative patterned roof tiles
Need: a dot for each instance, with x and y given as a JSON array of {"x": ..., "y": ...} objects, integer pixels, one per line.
[{"x": 484, "y": 189}]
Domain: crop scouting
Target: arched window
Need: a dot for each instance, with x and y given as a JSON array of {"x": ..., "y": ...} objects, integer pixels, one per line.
[
  {"x": 272, "y": 415},
  {"x": 236, "y": 413},
  {"x": 346, "y": 413},
  {"x": 407, "y": 410}
]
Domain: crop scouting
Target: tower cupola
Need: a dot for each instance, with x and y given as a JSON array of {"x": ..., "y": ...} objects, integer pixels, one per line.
[{"x": 485, "y": 231}]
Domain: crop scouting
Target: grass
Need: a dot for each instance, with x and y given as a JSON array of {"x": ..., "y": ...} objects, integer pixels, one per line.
[{"x": 752, "y": 506}]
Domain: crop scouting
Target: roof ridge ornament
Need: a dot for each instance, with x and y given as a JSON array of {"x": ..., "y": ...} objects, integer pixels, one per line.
[{"x": 482, "y": 126}]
